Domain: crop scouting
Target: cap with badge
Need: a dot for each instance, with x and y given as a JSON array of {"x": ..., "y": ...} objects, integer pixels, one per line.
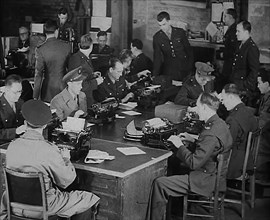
[
  {"x": 204, "y": 69},
  {"x": 36, "y": 113},
  {"x": 74, "y": 75}
]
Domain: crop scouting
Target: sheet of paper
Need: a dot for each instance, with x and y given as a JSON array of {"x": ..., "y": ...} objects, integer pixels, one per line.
[
  {"x": 103, "y": 23},
  {"x": 131, "y": 129},
  {"x": 212, "y": 29},
  {"x": 156, "y": 122},
  {"x": 131, "y": 113},
  {"x": 99, "y": 8},
  {"x": 130, "y": 150},
  {"x": 217, "y": 9},
  {"x": 119, "y": 116},
  {"x": 74, "y": 124},
  {"x": 37, "y": 28},
  {"x": 153, "y": 87},
  {"x": 128, "y": 106}
]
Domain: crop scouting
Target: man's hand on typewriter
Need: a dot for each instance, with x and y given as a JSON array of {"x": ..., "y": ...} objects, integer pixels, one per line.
[
  {"x": 175, "y": 140},
  {"x": 186, "y": 137},
  {"x": 143, "y": 73},
  {"x": 65, "y": 153},
  {"x": 78, "y": 113},
  {"x": 128, "y": 96}
]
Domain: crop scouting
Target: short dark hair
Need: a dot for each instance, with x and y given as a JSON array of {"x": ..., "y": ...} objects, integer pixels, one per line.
[
  {"x": 264, "y": 74},
  {"x": 137, "y": 43},
  {"x": 62, "y": 11},
  {"x": 113, "y": 61},
  {"x": 163, "y": 15},
  {"x": 13, "y": 79},
  {"x": 209, "y": 99},
  {"x": 246, "y": 25},
  {"x": 50, "y": 26},
  {"x": 102, "y": 33},
  {"x": 232, "y": 12},
  {"x": 231, "y": 89},
  {"x": 124, "y": 55},
  {"x": 86, "y": 41}
]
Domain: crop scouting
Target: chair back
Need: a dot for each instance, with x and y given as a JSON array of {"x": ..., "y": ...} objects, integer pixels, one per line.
[
  {"x": 25, "y": 191},
  {"x": 220, "y": 161}
]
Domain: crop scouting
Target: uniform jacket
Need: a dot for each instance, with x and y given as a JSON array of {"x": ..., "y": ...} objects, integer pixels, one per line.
[
  {"x": 31, "y": 153},
  {"x": 245, "y": 66},
  {"x": 190, "y": 91},
  {"x": 66, "y": 106},
  {"x": 230, "y": 43},
  {"x": 23, "y": 44},
  {"x": 66, "y": 32},
  {"x": 105, "y": 50},
  {"x": 108, "y": 89},
  {"x": 215, "y": 138},
  {"x": 172, "y": 57},
  {"x": 264, "y": 109},
  {"x": 9, "y": 120},
  {"x": 89, "y": 84},
  {"x": 240, "y": 121},
  {"x": 51, "y": 63},
  {"x": 139, "y": 64}
]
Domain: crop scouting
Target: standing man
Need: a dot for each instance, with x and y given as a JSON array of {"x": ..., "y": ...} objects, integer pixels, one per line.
[
  {"x": 230, "y": 43},
  {"x": 11, "y": 120},
  {"x": 32, "y": 153},
  {"x": 246, "y": 63},
  {"x": 51, "y": 58},
  {"x": 172, "y": 52}
]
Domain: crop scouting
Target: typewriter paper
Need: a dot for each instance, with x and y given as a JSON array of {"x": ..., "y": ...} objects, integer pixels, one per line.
[
  {"x": 131, "y": 129},
  {"x": 130, "y": 150},
  {"x": 131, "y": 113}
]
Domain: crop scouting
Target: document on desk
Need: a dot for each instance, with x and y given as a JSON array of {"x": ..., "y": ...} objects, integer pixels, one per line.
[
  {"x": 128, "y": 106},
  {"x": 130, "y": 150},
  {"x": 131, "y": 113}
]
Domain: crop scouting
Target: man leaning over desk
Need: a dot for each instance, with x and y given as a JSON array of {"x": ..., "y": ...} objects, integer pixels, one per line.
[{"x": 32, "y": 153}]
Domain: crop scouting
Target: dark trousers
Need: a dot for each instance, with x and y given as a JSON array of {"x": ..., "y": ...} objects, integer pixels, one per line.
[{"x": 162, "y": 188}]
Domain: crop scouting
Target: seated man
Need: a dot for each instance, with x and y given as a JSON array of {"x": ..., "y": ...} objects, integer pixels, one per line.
[
  {"x": 195, "y": 85},
  {"x": 101, "y": 53},
  {"x": 11, "y": 120},
  {"x": 24, "y": 39},
  {"x": 241, "y": 121},
  {"x": 114, "y": 84},
  {"x": 263, "y": 160},
  {"x": 71, "y": 101},
  {"x": 214, "y": 139},
  {"x": 32, "y": 153},
  {"x": 81, "y": 58}
]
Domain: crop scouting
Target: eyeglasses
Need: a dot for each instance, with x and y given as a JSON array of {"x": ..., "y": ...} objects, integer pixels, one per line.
[
  {"x": 23, "y": 33},
  {"x": 17, "y": 92}
]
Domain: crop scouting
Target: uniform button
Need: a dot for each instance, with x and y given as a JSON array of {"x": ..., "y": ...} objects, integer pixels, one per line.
[
  {"x": 241, "y": 56},
  {"x": 185, "y": 56},
  {"x": 233, "y": 64},
  {"x": 237, "y": 55},
  {"x": 110, "y": 93},
  {"x": 171, "y": 46},
  {"x": 170, "y": 42},
  {"x": 204, "y": 171},
  {"x": 242, "y": 77},
  {"x": 6, "y": 120}
]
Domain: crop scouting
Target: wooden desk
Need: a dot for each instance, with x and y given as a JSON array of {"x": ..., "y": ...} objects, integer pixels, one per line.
[{"x": 122, "y": 184}]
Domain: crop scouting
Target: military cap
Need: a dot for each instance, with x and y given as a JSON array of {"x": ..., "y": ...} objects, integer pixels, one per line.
[
  {"x": 74, "y": 75},
  {"x": 36, "y": 113},
  {"x": 204, "y": 69}
]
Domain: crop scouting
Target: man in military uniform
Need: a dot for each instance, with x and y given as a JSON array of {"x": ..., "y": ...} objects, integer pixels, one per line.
[
  {"x": 214, "y": 139},
  {"x": 241, "y": 121},
  {"x": 71, "y": 101},
  {"x": 81, "y": 58},
  {"x": 32, "y": 153},
  {"x": 246, "y": 62},
  {"x": 201, "y": 82},
  {"x": 141, "y": 65},
  {"x": 172, "y": 52},
  {"x": 101, "y": 53},
  {"x": 230, "y": 45},
  {"x": 51, "y": 58},
  {"x": 114, "y": 84},
  {"x": 11, "y": 120}
]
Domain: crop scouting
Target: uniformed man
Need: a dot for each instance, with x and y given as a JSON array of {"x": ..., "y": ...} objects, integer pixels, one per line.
[
  {"x": 214, "y": 139},
  {"x": 24, "y": 38},
  {"x": 11, "y": 120},
  {"x": 241, "y": 121},
  {"x": 32, "y": 153},
  {"x": 230, "y": 45},
  {"x": 114, "y": 84},
  {"x": 51, "y": 59},
  {"x": 141, "y": 65},
  {"x": 81, "y": 58},
  {"x": 71, "y": 101},
  {"x": 172, "y": 52},
  {"x": 246, "y": 62},
  {"x": 202, "y": 81}
]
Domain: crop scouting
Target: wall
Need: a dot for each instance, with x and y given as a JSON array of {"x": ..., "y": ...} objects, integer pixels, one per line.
[{"x": 145, "y": 24}]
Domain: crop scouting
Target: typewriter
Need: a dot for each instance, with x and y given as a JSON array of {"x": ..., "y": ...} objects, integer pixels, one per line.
[
  {"x": 78, "y": 142},
  {"x": 104, "y": 112},
  {"x": 192, "y": 124},
  {"x": 156, "y": 134}
]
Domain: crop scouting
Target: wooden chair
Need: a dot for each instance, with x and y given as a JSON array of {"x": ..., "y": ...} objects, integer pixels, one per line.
[
  {"x": 252, "y": 153},
  {"x": 214, "y": 204}
]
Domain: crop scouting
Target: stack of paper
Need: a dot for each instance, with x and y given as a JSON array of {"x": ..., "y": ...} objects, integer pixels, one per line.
[{"x": 156, "y": 122}]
